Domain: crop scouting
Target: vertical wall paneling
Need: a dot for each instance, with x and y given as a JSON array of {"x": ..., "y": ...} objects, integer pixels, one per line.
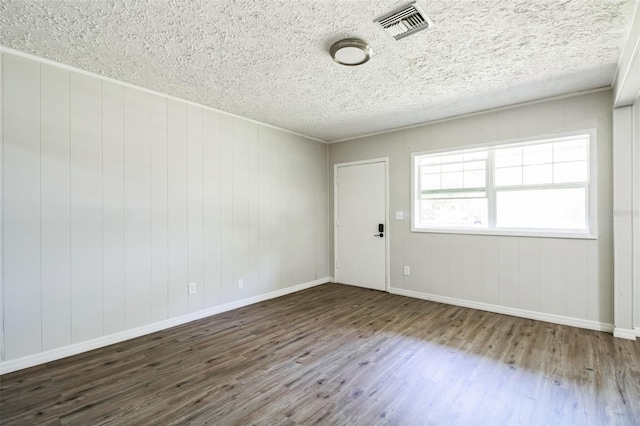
[
  {"x": 576, "y": 276},
  {"x": 529, "y": 262},
  {"x": 473, "y": 268},
  {"x": 177, "y": 227},
  {"x": 86, "y": 207},
  {"x": 55, "y": 215},
  {"x": 622, "y": 217},
  {"x": 298, "y": 213},
  {"x": 306, "y": 219},
  {"x": 240, "y": 207},
  {"x": 2, "y": 355},
  {"x": 574, "y": 113},
  {"x": 508, "y": 124},
  {"x": 226, "y": 209},
  {"x": 440, "y": 271},
  {"x": 636, "y": 209},
  {"x": 491, "y": 261},
  {"x": 398, "y": 200},
  {"x": 322, "y": 213},
  {"x": 21, "y": 207},
  {"x": 566, "y": 277},
  {"x": 264, "y": 208},
  {"x": 211, "y": 287},
  {"x": 115, "y": 198},
  {"x": 551, "y": 117},
  {"x": 253, "y": 234},
  {"x": 159, "y": 203},
  {"x": 528, "y": 121},
  {"x": 416, "y": 258},
  {"x": 195, "y": 211},
  {"x": 490, "y": 127},
  {"x": 137, "y": 198},
  {"x": 456, "y": 265},
  {"x": 286, "y": 218},
  {"x": 594, "y": 287},
  {"x": 113, "y": 206},
  {"x": 509, "y": 271},
  {"x": 275, "y": 220},
  {"x": 472, "y": 129},
  {"x": 552, "y": 276}
]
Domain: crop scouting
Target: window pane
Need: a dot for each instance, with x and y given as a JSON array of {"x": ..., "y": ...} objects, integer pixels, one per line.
[
  {"x": 542, "y": 209},
  {"x": 430, "y": 181},
  {"x": 452, "y": 180},
  {"x": 509, "y": 176},
  {"x": 537, "y": 154},
  {"x": 570, "y": 172},
  {"x": 570, "y": 150},
  {"x": 533, "y": 175},
  {"x": 508, "y": 157},
  {"x": 474, "y": 179},
  {"x": 474, "y": 165},
  {"x": 478, "y": 155},
  {"x": 452, "y": 158},
  {"x": 455, "y": 167},
  {"x": 431, "y": 169},
  {"x": 454, "y": 213},
  {"x": 457, "y": 193}
]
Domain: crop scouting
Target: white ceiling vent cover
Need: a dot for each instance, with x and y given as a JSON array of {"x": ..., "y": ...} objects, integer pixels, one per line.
[{"x": 405, "y": 21}]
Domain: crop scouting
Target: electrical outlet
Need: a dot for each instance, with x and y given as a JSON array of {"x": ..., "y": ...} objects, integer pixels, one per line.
[
  {"x": 407, "y": 270},
  {"x": 240, "y": 283},
  {"x": 192, "y": 288}
]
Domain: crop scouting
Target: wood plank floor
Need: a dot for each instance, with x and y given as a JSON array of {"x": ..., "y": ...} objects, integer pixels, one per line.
[{"x": 340, "y": 355}]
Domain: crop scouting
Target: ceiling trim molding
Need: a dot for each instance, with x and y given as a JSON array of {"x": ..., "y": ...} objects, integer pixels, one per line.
[
  {"x": 471, "y": 114},
  {"x": 4, "y": 49},
  {"x": 626, "y": 80}
]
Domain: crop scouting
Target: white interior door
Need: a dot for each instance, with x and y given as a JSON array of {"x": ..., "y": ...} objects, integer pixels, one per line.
[{"x": 361, "y": 254}]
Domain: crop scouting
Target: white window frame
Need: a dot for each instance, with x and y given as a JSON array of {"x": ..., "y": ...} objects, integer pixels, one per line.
[{"x": 591, "y": 211}]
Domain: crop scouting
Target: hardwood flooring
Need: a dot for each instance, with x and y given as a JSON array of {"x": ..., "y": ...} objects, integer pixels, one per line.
[{"x": 340, "y": 355}]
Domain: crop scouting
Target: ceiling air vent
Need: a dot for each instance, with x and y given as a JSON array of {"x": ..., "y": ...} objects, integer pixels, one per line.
[{"x": 405, "y": 21}]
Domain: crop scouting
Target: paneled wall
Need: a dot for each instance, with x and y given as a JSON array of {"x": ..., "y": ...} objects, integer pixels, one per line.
[
  {"x": 569, "y": 280},
  {"x": 116, "y": 198},
  {"x": 636, "y": 213}
]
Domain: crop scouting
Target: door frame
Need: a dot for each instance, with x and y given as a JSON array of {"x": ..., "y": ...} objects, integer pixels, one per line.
[{"x": 385, "y": 160}]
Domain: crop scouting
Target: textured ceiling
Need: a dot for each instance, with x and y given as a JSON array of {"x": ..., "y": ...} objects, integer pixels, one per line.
[{"x": 267, "y": 59}]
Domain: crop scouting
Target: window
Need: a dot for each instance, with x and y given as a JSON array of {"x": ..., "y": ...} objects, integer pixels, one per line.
[{"x": 533, "y": 187}]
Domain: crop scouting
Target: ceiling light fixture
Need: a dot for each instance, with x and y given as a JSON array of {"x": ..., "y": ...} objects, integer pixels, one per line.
[{"x": 351, "y": 52}]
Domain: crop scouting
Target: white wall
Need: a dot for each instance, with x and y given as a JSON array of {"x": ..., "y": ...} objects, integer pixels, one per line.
[
  {"x": 626, "y": 89},
  {"x": 623, "y": 221},
  {"x": 636, "y": 214},
  {"x": 115, "y": 198},
  {"x": 564, "y": 280}
]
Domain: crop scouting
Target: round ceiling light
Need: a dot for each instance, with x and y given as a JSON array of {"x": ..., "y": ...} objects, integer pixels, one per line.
[{"x": 350, "y": 52}]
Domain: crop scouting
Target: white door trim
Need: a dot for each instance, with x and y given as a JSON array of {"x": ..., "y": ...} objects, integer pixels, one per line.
[{"x": 384, "y": 160}]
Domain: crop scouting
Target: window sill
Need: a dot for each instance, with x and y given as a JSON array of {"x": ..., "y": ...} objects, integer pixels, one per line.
[{"x": 509, "y": 233}]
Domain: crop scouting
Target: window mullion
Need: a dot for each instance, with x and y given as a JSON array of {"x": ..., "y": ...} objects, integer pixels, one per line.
[{"x": 491, "y": 192}]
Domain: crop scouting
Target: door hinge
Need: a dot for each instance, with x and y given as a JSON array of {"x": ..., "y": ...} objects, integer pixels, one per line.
[
  {"x": 337, "y": 222},
  {"x": 337, "y": 265}
]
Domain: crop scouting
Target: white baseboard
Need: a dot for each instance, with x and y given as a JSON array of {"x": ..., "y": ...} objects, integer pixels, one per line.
[
  {"x": 523, "y": 313},
  {"x": 624, "y": 333},
  {"x": 74, "y": 349},
  {"x": 638, "y": 331}
]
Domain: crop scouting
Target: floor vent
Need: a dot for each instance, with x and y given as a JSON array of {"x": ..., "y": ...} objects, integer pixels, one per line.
[{"x": 403, "y": 22}]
